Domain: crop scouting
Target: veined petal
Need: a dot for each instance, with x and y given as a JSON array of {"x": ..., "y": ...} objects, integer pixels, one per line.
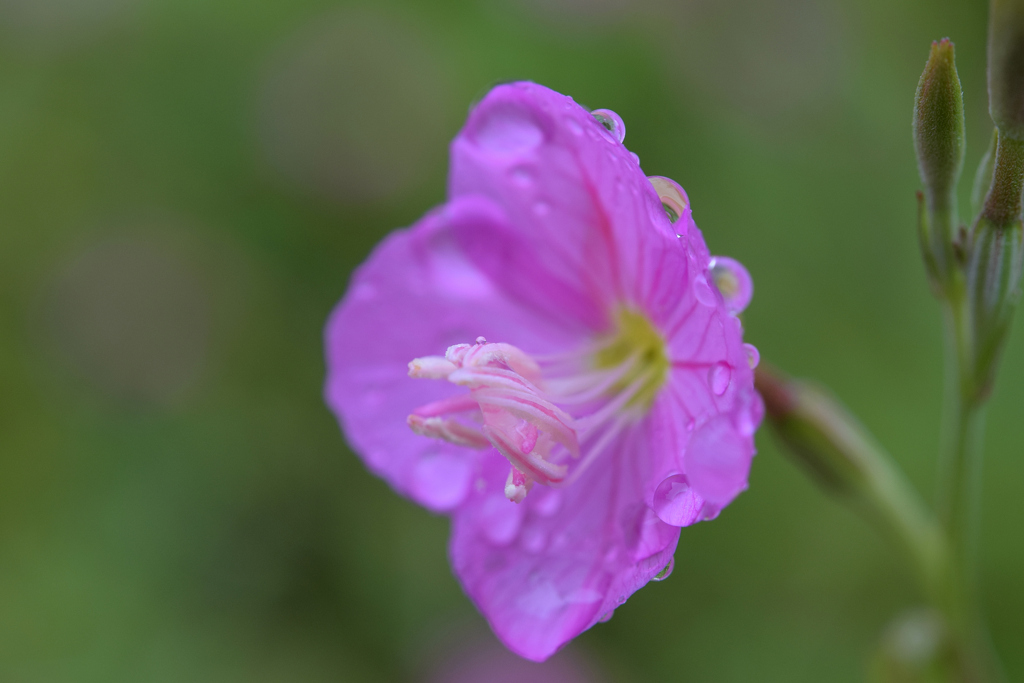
[
  {"x": 544, "y": 570},
  {"x": 573, "y": 198},
  {"x": 415, "y": 294}
]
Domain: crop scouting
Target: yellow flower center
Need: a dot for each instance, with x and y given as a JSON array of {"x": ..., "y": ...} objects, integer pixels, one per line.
[{"x": 637, "y": 342}]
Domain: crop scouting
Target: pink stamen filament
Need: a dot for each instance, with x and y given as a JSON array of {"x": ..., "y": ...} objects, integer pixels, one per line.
[{"x": 522, "y": 420}]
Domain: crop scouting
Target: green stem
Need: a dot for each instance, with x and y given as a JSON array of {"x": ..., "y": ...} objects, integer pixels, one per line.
[{"x": 959, "y": 499}]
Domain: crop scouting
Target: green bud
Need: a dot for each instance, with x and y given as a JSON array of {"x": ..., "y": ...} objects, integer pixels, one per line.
[
  {"x": 995, "y": 262},
  {"x": 939, "y": 122},
  {"x": 822, "y": 435},
  {"x": 1006, "y": 67},
  {"x": 939, "y": 142},
  {"x": 827, "y": 440}
]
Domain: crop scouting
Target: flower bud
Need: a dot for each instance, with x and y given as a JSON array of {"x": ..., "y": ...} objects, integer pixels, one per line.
[
  {"x": 817, "y": 430},
  {"x": 995, "y": 261},
  {"x": 939, "y": 142},
  {"x": 939, "y": 122},
  {"x": 1006, "y": 67}
]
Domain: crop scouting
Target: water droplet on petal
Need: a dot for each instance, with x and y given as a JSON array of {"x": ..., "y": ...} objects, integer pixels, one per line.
[
  {"x": 749, "y": 416},
  {"x": 441, "y": 481},
  {"x": 719, "y": 377},
  {"x": 542, "y": 208},
  {"x": 667, "y": 571},
  {"x": 709, "y": 512},
  {"x": 611, "y": 122},
  {"x": 753, "y": 355},
  {"x": 507, "y": 129},
  {"x": 717, "y": 460},
  {"x": 573, "y": 125},
  {"x": 673, "y": 196},
  {"x": 500, "y": 519},
  {"x": 675, "y": 502},
  {"x": 702, "y": 290},
  {"x": 606, "y": 617},
  {"x": 733, "y": 281}
]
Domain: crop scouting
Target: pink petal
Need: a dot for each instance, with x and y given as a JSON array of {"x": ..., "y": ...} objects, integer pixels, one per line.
[
  {"x": 574, "y": 203},
  {"x": 545, "y": 570},
  {"x": 415, "y": 296}
]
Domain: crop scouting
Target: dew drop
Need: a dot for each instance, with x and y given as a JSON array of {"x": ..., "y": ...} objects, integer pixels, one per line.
[
  {"x": 717, "y": 460},
  {"x": 541, "y": 208},
  {"x": 733, "y": 281},
  {"x": 667, "y": 571},
  {"x": 635, "y": 157},
  {"x": 500, "y": 520},
  {"x": 606, "y": 617},
  {"x": 675, "y": 502},
  {"x": 753, "y": 355},
  {"x": 702, "y": 290},
  {"x": 441, "y": 481},
  {"x": 507, "y": 129},
  {"x": 673, "y": 196},
  {"x": 719, "y": 377},
  {"x": 573, "y": 125},
  {"x": 611, "y": 122}
]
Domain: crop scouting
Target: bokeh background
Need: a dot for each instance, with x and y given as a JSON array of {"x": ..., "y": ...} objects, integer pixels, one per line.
[{"x": 185, "y": 187}]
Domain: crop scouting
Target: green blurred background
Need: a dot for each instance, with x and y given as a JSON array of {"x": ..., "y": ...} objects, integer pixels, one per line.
[{"x": 185, "y": 187}]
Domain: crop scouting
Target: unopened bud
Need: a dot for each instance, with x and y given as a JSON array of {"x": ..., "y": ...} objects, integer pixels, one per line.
[
  {"x": 1006, "y": 67},
  {"x": 822, "y": 435},
  {"x": 939, "y": 121},
  {"x": 939, "y": 142}
]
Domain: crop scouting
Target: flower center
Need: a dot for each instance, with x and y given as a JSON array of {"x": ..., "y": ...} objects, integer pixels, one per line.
[
  {"x": 639, "y": 345},
  {"x": 545, "y": 413}
]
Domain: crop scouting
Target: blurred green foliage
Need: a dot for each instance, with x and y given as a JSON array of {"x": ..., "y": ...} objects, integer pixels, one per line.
[{"x": 185, "y": 187}]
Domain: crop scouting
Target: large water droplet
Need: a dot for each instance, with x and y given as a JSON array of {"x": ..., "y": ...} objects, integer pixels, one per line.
[
  {"x": 719, "y": 377},
  {"x": 673, "y": 196},
  {"x": 507, "y": 129},
  {"x": 702, "y": 290},
  {"x": 500, "y": 519},
  {"x": 667, "y": 571},
  {"x": 675, "y": 502},
  {"x": 441, "y": 481},
  {"x": 611, "y": 122},
  {"x": 753, "y": 355},
  {"x": 733, "y": 281},
  {"x": 717, "y": 460}
]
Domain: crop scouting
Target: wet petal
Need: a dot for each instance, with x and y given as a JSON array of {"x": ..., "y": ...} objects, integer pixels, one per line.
[
  {"x": 545, "y": 570},
  {"x": 415, "y": 296}
]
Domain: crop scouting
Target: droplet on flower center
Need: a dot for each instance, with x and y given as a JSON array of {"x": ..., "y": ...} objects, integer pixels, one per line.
[
  {"x": 673, "y": 197},
  {"x": 636, "y": 342}
]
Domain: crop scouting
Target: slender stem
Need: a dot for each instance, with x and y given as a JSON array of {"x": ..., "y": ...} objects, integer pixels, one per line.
[{"x": 959, "y": 499}]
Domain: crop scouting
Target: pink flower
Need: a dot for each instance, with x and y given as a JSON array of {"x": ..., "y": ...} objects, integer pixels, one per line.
[{"x": 607, "y": 399}]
